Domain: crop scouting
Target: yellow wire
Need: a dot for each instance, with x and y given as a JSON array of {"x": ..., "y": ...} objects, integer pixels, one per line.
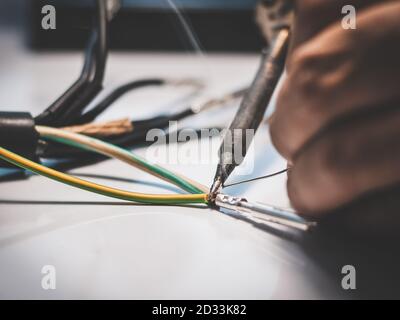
[
  {"x": 108, "y": 150},
  {"x": 97, "y": 188}
]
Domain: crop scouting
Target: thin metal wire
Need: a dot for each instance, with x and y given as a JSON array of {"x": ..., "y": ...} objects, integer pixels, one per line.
[{"x": 255, "y": 179}]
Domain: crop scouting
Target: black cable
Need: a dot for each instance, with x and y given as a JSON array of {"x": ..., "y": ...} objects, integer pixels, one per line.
[
  {"x": 128, "y": 140},
  {"x": 68, "y": 108},
  {"x": 69, "y": 105},
  {"x": 140, "y": 127},
  {"x": 93, "y": 113}
]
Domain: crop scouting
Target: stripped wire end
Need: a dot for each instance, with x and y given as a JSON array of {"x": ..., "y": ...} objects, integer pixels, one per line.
[
  {"x": 263, "y": 213},
  {"x": 215, "y": 190}
]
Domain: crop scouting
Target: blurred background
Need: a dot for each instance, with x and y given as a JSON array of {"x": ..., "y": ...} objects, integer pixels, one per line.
[
  {"x": 12, "y": 13},
  {"x": 216, "y": 25},
  {"x": 37, "y": 65}
]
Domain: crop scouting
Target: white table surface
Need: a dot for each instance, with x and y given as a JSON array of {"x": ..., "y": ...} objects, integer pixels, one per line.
[{"x": 103, "y": 248}]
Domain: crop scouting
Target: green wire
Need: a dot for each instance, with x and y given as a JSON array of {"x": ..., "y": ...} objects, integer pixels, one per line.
[
  {"x": 118, "y": 194},
  {"x": 185, "y": 185}
]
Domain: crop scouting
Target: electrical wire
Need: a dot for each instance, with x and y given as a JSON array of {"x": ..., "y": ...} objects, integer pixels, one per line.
[
  {"x": 65, "y": 164},
  {"x": 255, "y": 179},
  {"x": 103, "y": 129},
  {"x": 141, "y": 127},
  {"x": 68, "y": 158},
  {"x": 126, "y": 138},
  {"x": 97, "y": 188},
  {"x": 68, "y": 107},
  {"x": 117, "y": 93},
  {"x": 104, "y": 148},
  {"x": 120, "y": 91}
]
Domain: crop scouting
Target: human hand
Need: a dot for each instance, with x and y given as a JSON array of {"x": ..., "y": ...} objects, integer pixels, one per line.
[{"x": 338, "y": 113}]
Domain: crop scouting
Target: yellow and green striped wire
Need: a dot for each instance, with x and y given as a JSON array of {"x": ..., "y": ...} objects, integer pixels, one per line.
[{"x": 198, "y": 192}]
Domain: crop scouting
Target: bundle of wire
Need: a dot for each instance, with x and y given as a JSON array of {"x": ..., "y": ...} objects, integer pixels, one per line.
[
  {"x": 132, "y": 133},
  {"x": 198, "y": 192},
  {"x": 70, "y": 110},
  {"x": 125, "y": 133}
]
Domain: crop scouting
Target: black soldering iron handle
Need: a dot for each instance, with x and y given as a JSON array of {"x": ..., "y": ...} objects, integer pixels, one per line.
[{"x": 252, "y": 109}]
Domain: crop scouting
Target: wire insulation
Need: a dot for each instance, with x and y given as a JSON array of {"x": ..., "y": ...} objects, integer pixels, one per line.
[
  {"x": 104, "y": 148},
  {"x": 97, "y": 188},
  {"x": 103, "y": 129}
]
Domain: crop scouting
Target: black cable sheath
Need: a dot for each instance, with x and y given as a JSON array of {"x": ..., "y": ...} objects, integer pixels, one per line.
[
  {"x": 137, "y": 136},
  {"x": 93, "y": 113},
  {"x": 71, "y": 103}
]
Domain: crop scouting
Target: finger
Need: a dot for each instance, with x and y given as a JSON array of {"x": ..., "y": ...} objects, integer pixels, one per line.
[
  {"x": 350, "y": 159},
  {"x": 312, "y": 16},
  {"x": 338, "y": 73}
]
